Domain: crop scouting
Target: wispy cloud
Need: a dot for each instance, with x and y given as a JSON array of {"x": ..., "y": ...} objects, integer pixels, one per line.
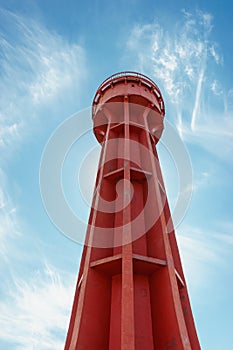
[
  {"x": 184, "y": 61},
  {"x": 197, "y": 98},
  {"x": 38, "y": 69},
  {"x": 41, "y": 75},
  {"x": 205, "y": 251},
  {"x": 176, "y": 57},
  {"x": 36, "y": 313},
  {"x": 10, "y": 226}
]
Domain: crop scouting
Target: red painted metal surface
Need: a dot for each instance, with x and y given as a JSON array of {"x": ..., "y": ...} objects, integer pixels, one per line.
[{"x": 131, "y": 291}]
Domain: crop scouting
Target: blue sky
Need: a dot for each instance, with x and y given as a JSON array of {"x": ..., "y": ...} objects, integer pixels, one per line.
[{"x": 53, "y": 56}]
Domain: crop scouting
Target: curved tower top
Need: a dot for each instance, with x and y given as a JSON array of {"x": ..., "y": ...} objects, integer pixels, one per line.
[{"x": 141, "y": 93}]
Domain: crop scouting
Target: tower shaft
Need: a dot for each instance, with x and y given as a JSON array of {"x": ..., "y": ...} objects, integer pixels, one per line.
[{"x": 131, "y": 291}]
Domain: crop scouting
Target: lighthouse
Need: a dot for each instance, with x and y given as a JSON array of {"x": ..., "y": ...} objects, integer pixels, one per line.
[{"x": 131, "y": 292}]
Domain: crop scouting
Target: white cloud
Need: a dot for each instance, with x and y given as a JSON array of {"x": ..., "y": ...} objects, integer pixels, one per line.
[
  {"x": 197, "y": 98},
  {"x": 59, "y": 67},
  {"x": 38, "y": 69},
  {"x": 41, "y": 75},
  {"x": 8, "y": 133},
  {"x": 214, "y": 52},
  {"x": 212, "y": 134},
  {"x": 36, "y": 313},
  {"x": 10, "y": 226},
  {"x": 183, "y": 62},
  {"x": 175, "y": 58},
  {"x": 204, "y": 252},
  {"x": 216, "y": 88}
]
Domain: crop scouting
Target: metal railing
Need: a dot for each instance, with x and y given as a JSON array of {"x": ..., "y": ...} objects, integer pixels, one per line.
[{"x": 127, "y": 74}]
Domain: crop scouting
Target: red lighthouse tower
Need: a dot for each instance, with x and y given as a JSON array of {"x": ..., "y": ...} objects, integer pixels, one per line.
[{"x": 131, "y": 291}]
